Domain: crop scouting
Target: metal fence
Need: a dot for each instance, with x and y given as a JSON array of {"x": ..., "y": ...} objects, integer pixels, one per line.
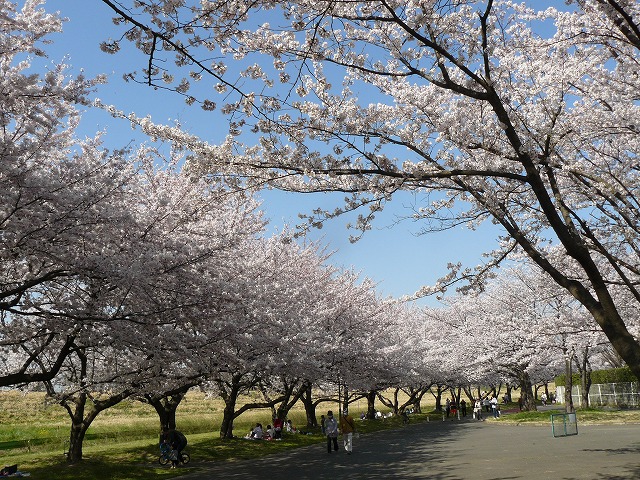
[
  {"x": 564, "y": 424},
  {"x": 619, "y": 394}
]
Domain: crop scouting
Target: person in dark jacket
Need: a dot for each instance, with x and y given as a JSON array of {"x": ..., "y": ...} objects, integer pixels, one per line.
[{"x": 177, "y": 441}]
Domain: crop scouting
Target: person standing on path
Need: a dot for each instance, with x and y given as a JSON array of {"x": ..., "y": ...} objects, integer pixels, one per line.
[
  {"x": 494, "y": 406},
  {"x": 331, "y": 429},
  {"x": 348, "y": 427},
  {"x": 477, "y": 409}
]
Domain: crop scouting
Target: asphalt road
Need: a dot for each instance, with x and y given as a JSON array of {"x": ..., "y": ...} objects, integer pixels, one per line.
[{"x": 451, "y": 450}]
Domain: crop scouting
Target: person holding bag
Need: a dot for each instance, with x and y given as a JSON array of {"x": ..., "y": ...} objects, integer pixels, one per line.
[{"x": 348, "y": 427}]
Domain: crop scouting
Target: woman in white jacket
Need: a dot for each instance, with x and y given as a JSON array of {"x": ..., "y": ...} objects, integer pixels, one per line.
[{"x": 331, "y": 429}]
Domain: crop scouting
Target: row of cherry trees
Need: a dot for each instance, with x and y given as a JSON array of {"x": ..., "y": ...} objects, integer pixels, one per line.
[
  {"x": 124, "y": 276},
  {"x": 522, "y": 330},
  {"x": 488, "y": 110}
]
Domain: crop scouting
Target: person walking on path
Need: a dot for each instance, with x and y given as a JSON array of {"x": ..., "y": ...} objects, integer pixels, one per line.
[
  {"x": 348, "y": 427},
  {"x": 331, "y": 429},
  {"x": 477, "y": 409},
  {"x": 494, "y": 406}
]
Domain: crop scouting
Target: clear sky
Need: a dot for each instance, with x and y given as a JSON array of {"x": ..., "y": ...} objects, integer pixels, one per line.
[{"x": 392, "y": 254}]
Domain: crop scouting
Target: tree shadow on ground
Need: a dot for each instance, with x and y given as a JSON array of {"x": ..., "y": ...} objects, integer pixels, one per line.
[{"x": 448, "y": 450}]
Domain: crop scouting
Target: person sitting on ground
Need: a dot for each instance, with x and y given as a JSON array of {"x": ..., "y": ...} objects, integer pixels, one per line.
[
  {"x": 277, "y": 428},
  {"x": 257, "y": 432},
  {"x": 9, "y": 471},
  {"x": 290, "y": 427},
  {"x": 270, "y": 434}
]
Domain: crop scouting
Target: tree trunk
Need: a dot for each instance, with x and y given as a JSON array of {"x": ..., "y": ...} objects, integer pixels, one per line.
[
  {"x": 468, "y": 390},
  {"x": 508, "y": 393},
  {"x": 165, "y": 407},
  {"x": 568, "y": 386},
  {"x": 76, "y": 439},
  {"x": 417, "y": 408},
  {"x": 230, "y": 397},
  {"x": 584, "y": 367},
  {"x": 226, "y": 427},
  {"x": 309, "y": 407},
  {"x": 416, "y": 398},
  {"x": 343, "y": 399},
  {"x": 289, "y": 393},
  {"x": 438, "y": 397},
  {"x": 282, "y": 411},
  {"x": 75, "y": 405},
  {"x": 392, "y": 404},
  {"x": 585, "y": 381},
  {"x": 455, "y": 394},
  {"x": 81, "y": 421},
  {"x": 78, "y": 430},
  {"x": 527, "y": 400},
  {"x": 371, "y": 404}
]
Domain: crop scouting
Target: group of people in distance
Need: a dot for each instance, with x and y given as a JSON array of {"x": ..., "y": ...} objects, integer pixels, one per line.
[
  {"x": 272, "y": 432},
  {"x": 490, "y": 404},
  {"x": 329, "y": 425}
]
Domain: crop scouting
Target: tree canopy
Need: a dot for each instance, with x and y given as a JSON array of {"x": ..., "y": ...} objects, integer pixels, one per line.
[
  {"x": 486, "y": 110},
  {"x": 145, "y": 270}
]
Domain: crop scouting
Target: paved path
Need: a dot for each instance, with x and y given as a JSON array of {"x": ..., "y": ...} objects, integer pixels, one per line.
[{"x": 455, "y": 450}]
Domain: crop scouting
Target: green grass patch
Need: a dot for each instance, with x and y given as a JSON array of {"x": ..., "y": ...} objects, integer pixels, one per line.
[{"x": 604, "y": 415}]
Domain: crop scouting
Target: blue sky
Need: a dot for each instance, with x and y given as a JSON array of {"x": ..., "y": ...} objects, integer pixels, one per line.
[{"x": 394, "y": 255}]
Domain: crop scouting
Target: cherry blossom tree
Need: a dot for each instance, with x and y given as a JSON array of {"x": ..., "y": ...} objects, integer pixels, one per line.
[
  {"x": 290, "y": 302},
  {"x": 521, "y": 329},
  {"x": 91, "y": 236},
  {"x": 90, "y": 382},
  {"x": 474, "y": 109},
  {"x": 500, "y": 346},
  {"x": 409, "y": 362},
  {"x": 51, "y": 186}
]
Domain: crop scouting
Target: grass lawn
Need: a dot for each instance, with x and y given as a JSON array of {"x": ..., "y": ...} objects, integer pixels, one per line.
[
  {"x": 122, "y": 443},
  {"x": 585, "y": 416}
]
